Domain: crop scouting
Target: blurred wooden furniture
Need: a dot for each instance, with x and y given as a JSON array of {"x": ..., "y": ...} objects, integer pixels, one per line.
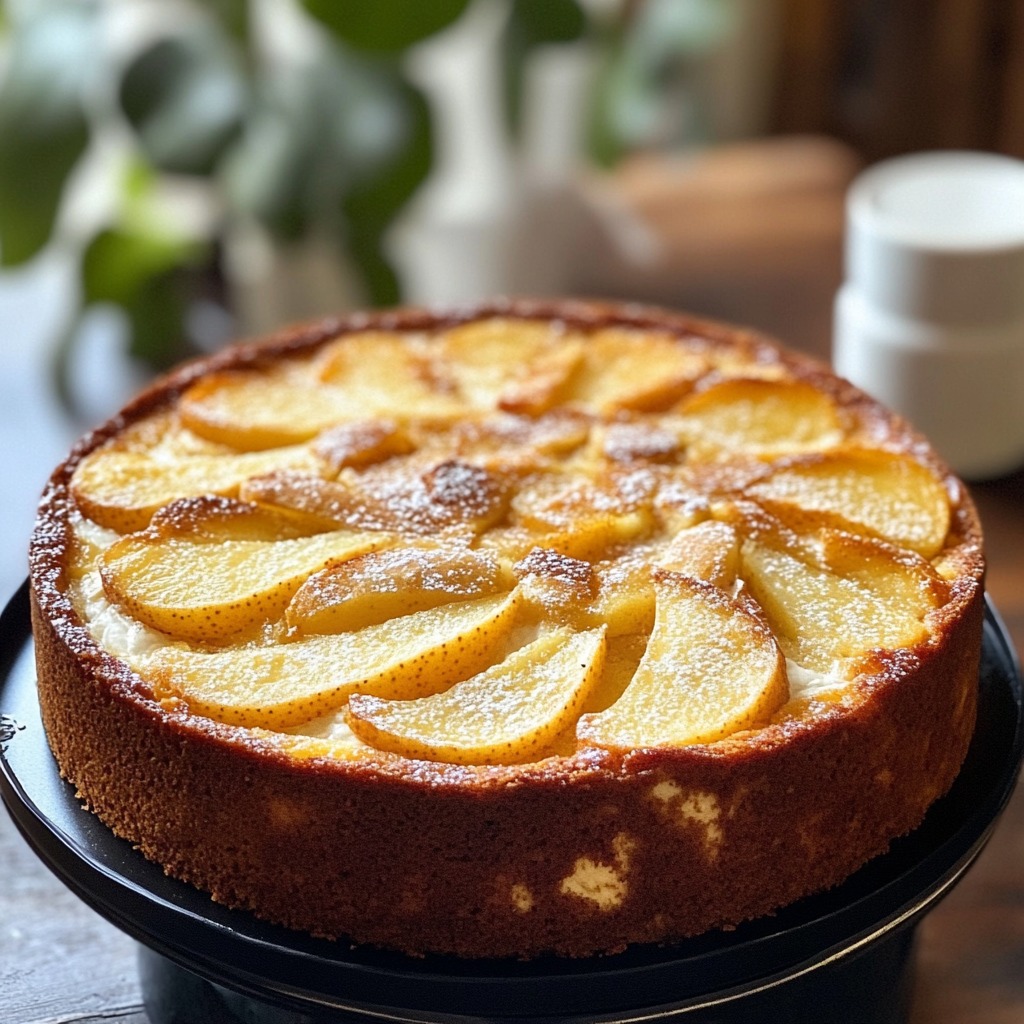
[
  {"x": 749, "y": 232},
  {"x": 892, "y": 77}
]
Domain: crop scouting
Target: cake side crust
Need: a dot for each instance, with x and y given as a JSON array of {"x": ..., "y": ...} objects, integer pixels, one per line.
[{"x": 573, "y": 855}]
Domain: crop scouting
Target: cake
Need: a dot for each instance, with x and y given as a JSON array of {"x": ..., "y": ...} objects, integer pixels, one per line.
[{"x": 527, "y": 629}]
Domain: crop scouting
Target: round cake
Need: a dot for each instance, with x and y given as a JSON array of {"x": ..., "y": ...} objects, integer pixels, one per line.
[{"x": 536, "y": 628}]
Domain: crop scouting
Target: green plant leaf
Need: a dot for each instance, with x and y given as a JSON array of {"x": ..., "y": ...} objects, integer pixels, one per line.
[
  {"x": 549, "y": 21},
  {"x": 384, "y": 26},
  {"x": 185, "y": 96},
  {"x": 117, "y": 265},
  {"x": 158, "y": 320},
  {"x": 321, "y": 133},
  {"x": 265, "y": 174},
  {"x": 155, "y": 285},
  {"x": 292, "y": 161},
  {"x": 43, "y": 126}
]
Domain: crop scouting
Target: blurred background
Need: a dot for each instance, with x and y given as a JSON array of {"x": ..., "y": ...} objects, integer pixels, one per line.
[{"x": 174, "y": 174}]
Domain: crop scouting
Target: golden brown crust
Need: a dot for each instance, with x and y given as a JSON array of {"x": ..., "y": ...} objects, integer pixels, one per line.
[{"x": 574, "y": 855}]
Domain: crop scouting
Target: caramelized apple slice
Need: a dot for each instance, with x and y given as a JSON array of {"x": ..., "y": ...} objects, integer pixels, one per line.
[
  {"x": 515, "y": 441},
  {"x": 516, "y": 365},
  {"x": 624, "y": 369},
  {"x": 617, "y": 594},
  {"x": 638, "y": 442},
  {"x": 573, "y": 516},
  {"x": 556, "y": 500},
  {"x": 212, "y": 517},
  {"x": 538, "y": 386},
  {"x": 624, "y": 597},
  {"x": 589, "y": 538},
  {"x": 287, "y": 684},
  {"x": 623, "y": 654},
  {"x": 508, "y": 714},
  {"x": 122, "y": 489},
  {"x": 362, "y": 443},
  {"x": 884, "y": 494},
  {"x": 451, "y": 496},
  {"x": 760, "y": 417},
  {"x": 390, "y": 375},
  {"x": 871, "y": 596},
  {"x": 163, "y": 434},
  {"x": 708, "y": 551},
  {"x": 385, "y": 584},
  {"x": 251, "y": 411},
  {"x": 711, "y": 668},
  {"x": 210, "y": 591},
  {"x": 901, "y": 577}
]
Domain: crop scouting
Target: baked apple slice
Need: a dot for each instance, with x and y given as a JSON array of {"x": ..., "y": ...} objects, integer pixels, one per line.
[
  {"x": 711, "y": 668},
  {"x": 210, "y": 591},
  {"x": 859, "y": 594},
  {"x": 210, "y": 517},
  {"x": 286, "y": 684},
  {"x": 591, "y": 537},
  {"x": 250, "y": 411},
  {"x": 122, "y": 489},
  {"x": 384, "y": 584},
  {"x": 362, "y": 443},
  {"x": 519, "y": 366},
  {"x": 575, "y": 517},
  {"x": 884, "y": 494},
  {"x": 641, "y": 370},
  {"x": 760, "y": 417},
  {"x": 616, "y": 594},
  {"x": 510, "y": 713},
  {"x": 624, "y": 597},
  {"x": 451, "y": 496},
  {"x": 540, "y": 384},
  {"x": 511, "y": 440},
  {"x": 895, "y": 574},
  {"x": 384, "y": 374},
  {"x": 708, "y": 551}
]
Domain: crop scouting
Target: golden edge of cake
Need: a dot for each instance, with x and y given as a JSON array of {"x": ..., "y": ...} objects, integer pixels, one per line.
[{"x": 576, "y": 855}]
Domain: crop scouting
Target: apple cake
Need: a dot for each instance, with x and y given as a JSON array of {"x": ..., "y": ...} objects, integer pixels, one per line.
[{"x": 527, "y": 629}]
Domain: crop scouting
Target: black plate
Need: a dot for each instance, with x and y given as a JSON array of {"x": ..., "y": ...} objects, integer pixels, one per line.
[{"x": 288, "y": 969}]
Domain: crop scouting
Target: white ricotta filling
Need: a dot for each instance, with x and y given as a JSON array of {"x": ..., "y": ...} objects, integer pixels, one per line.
[
  {"x": 115, "y": 632},
  {"x": 807, "y": 683}
]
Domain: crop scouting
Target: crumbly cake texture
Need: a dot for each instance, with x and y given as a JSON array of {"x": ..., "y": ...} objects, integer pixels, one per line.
[{"x": 585, "y": 844}]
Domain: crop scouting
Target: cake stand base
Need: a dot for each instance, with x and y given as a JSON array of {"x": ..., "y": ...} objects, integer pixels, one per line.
[{"x": 871, "y": 987}]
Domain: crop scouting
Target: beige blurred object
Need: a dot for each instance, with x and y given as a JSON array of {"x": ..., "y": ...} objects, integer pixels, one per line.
[{"x": 747, "y": 231}]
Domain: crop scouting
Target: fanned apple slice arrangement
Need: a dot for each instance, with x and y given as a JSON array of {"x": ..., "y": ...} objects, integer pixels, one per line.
[{"x": 508, "y": 540}]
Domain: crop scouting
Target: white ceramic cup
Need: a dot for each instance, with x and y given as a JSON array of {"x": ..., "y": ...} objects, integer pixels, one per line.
[{"x": 930, "y": 319}]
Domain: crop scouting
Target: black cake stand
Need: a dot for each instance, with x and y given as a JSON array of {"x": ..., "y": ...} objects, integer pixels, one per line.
[{"x": 844, "y": 956}]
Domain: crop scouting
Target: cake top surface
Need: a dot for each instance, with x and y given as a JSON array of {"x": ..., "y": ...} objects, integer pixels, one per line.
[{"x": 505, "y": 538}]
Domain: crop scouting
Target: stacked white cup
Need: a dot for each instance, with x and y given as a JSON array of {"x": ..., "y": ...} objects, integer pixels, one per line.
[{"x": 930, "y": 319}]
